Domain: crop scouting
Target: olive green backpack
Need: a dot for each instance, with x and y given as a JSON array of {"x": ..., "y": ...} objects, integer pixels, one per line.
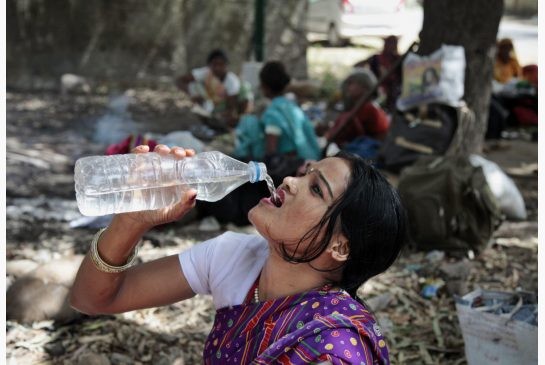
[{"x": 449, "y": 204}]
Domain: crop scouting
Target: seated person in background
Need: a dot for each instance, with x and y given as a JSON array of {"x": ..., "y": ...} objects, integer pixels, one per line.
[
  {"x": 214, "y": 87},
  {"x": 529, "y": 73},
  {"x": 380, "y": 64},
  {"x": 282, "y": 129},
  {"x": 287, "y": 128},
  {"x": 370, "y": 120},
  {"x": 513, "y": 102},
  {"x": 507, "y": 66}
]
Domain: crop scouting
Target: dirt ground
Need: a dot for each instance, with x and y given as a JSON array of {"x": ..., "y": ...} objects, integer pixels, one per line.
[{"x": 46, "y": 133}]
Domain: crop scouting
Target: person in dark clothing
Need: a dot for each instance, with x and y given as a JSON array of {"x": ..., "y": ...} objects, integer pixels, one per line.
[
  {"x": 379, "y": 64},
  {"x": 370, "y": 120}
]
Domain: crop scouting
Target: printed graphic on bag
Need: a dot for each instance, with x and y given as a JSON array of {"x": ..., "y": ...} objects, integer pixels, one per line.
[
  {"x": 437, "y": 78},
  {"x": 421, "y": 80}
]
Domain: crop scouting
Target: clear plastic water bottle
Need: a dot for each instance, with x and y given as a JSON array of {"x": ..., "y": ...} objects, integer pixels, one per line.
[{"x": 147, "y": 181}]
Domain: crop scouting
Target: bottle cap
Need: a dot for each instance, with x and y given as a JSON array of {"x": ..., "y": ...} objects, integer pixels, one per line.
[{"x": 258, "y": 171}]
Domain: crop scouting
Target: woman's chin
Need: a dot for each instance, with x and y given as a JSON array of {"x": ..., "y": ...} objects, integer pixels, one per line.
[
  {"x": 251, "y": 215},
  {"x": 257, "y": 214},
  {"x": 256, "y": 220}
]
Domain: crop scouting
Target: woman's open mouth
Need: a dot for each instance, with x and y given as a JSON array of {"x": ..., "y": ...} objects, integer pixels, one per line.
[{"x": 277, "y": 200}]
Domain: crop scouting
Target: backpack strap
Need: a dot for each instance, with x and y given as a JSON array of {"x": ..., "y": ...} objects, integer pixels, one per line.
[{"x": 466, "y": 120}]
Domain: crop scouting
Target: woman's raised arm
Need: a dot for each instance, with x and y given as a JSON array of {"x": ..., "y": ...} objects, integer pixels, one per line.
[{"x": 156, "y": 283}]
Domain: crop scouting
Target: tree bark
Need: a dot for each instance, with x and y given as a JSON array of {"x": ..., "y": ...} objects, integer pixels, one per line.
[
  {"x": 229, "y": 25},
  {"x": 286, "y": 36},
  {"x": 474, "y": 25}
]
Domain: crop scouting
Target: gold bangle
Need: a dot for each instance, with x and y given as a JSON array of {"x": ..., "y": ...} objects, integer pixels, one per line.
[{"x": 103, "y": 266}]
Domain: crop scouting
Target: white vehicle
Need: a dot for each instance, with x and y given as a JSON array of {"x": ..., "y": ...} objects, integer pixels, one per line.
[{"x": 341, "y": 20}]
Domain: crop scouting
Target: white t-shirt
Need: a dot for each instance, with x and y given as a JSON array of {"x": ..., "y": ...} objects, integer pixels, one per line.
[
  {"x": 231, "y": 81},
  {"x": 225, "y": 266}
]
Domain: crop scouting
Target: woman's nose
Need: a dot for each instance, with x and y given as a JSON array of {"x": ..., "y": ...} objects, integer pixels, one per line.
[{"x": 290, "y": 183}]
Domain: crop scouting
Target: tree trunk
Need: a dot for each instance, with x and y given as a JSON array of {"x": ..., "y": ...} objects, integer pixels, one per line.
[
  {"x": 474, "y": 25},
  {"x": 229, "y": 25},
  {"x": 286, "y": 36}
]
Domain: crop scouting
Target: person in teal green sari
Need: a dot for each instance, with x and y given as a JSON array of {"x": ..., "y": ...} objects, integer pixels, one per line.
[
  {"x": 282, "y": 129},
  {"x": 282, "y": 137}
]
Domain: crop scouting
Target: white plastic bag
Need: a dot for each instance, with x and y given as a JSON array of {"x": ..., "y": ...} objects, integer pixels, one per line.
[
  {"x": 437, "y": 78},
  {"x": 183, "y": 139},
  {"x": 503, "y": 187}
]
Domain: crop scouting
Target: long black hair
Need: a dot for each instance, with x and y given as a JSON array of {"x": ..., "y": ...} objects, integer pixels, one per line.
[{"x": 370, "y": 215}]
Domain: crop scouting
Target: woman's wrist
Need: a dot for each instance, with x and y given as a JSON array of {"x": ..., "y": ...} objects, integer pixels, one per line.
[
  {"x": 118, "y": 241},
  {"x": 125, "y": 222},
  {"x": 104, "y": 266}
]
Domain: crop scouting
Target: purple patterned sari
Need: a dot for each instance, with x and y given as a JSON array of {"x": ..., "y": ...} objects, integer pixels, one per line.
[{"x": 317, "y": 326}]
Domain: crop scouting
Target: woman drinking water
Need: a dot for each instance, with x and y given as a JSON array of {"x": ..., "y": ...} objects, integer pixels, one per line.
[{"x": 286, "y": 295}]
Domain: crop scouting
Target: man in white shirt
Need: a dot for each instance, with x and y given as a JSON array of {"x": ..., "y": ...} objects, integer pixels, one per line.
[{"x": 214, "y": 87}]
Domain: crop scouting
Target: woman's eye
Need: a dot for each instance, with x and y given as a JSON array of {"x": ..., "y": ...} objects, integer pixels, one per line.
[{"x": 316, "y": 189}]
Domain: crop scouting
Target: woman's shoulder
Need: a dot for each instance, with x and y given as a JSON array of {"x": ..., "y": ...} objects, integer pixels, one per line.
[
  {"x": 275, "y": 105},
  {"x": 242, "y": 241},
  {"x": 349, "y": 344},
  {"x": 359, "y": 318},
  {"x": 340, "y": 306},
  {"x": 343, "y": 327},
  {"x": 280, "y": 103},
  {"x": 274, "y": 114},
  {"x": 230, "y": 244},
  {"x": 238, "y": 236}
]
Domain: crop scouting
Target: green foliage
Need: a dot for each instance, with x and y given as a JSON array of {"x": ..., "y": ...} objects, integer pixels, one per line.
[{"x": 330, "y": 85}]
